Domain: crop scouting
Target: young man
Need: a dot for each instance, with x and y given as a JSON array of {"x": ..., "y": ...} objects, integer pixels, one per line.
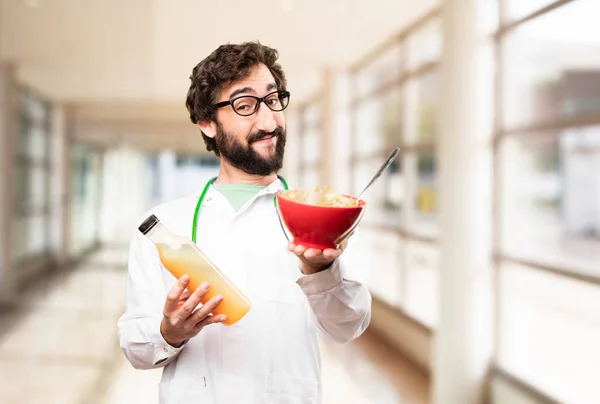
[{"x": 237, "y": 97}]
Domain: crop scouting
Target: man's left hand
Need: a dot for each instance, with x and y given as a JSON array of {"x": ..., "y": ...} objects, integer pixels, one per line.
[{"x": 313, "y": 260}]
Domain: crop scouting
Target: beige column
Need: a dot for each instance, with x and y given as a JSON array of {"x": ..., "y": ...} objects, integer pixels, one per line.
[
  {"x": 291, "y": 163},
  {"x": 463, "y": 337},
  {"x": 59, "y": 184},
  {"x": 409, "y": 160},
  {"x": 327, "y": 128},
  {"x": 8, "y": 133},
  {"x": 336, "y": 129}
]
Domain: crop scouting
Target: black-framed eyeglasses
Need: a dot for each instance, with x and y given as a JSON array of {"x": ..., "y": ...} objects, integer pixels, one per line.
[{"x": 247, "y": 105}]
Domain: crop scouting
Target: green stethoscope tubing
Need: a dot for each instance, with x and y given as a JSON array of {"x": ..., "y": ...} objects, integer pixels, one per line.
[{"x": 203, "y": 194}]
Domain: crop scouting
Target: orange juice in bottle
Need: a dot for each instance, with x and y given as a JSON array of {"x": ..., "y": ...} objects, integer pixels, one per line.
[{"x": 181, "y": 256}]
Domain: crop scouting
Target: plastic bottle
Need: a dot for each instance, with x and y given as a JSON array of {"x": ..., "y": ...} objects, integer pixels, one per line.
[{"x": 180, "y": 256}]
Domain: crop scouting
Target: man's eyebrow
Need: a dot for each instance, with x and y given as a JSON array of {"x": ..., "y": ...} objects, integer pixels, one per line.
[
  {"x": 270, "y": 86},
  {"x": 241, "y": 91}
]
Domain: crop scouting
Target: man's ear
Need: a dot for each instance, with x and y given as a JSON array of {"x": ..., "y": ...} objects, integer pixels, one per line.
[{"x": 209, "y": 128}]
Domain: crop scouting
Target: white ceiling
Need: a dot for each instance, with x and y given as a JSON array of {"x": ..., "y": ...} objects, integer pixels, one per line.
[
  {"x": 119, "y": 56},
  {"x": 146, "y": 49}
]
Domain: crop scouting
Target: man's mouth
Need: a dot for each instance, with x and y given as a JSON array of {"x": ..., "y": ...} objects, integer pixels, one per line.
[{"x": 263, "y": 138}]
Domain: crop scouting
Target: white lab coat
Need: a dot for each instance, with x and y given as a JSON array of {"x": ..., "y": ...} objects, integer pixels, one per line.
[{"x": 272, "y": 354}]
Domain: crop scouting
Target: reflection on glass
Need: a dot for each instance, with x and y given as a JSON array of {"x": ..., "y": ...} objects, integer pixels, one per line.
[
  {"x": 33, "y": 139},
  {"x": 551, "y": 198},
  {"x": 422, "y": 95},
  {"x": 385, "y": 198},
  {"x": 378, "y": 123},
  {"x": 549, "y": 328},
  {"x": 427, "y": 107},
  {"x": 425, "y": 45},
  {"x": 31, "y": 181},
  {"x": 85, "y": 186},
  {"x": 426, "y": 195},
  {"x": 553, "y": 72},
  {"x": 383, "y": 69},
  {"x": 38, "y": 143},
  {"x": 392, "y": 119},
  {"x": 422, "y": 277},
  {"x": 21, "y": 188},
  {"x": 38, "y": 191},
  {"x": 31, "y": 188}
]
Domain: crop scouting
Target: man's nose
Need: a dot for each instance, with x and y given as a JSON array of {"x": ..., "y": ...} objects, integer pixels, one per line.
[{"x": 265, "y": 121}]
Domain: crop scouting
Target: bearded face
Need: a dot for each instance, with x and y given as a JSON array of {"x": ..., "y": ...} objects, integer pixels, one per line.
[{"x": 260, "y": 154}]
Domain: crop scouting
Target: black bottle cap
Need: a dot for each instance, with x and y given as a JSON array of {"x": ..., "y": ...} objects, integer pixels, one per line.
[{"x": 148, "y": 224}]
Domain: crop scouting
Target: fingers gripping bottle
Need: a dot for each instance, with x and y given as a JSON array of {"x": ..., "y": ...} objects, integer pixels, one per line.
[{"x": 181, "y": 256}]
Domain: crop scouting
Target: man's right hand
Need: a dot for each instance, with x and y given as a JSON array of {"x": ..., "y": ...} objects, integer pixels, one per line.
[{"x": 181, "y": 320}]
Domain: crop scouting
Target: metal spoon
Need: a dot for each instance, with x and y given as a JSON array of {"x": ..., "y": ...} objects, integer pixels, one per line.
[{"x": 383, "y": 167}]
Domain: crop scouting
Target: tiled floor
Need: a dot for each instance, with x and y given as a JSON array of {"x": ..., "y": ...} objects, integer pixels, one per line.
[{"x": 60, "y": 347}]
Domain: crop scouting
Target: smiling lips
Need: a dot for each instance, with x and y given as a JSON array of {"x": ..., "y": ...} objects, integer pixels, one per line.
[{"x": 265, "y": 139}]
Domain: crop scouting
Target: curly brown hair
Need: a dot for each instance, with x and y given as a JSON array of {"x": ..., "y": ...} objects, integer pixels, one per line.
[{"x": 220, "y": 69}]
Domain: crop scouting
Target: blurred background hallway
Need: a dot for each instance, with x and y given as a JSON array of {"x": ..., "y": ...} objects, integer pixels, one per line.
[{"x": 481, "y": 243}]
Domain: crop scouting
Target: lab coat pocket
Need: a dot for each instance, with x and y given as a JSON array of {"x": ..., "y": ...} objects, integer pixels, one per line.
[{"x": 283, "y": 389}]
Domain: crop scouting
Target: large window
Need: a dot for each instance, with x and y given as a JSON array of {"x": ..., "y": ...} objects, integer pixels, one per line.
[
  {"x": 86, "y": 167},
  {"x": 32, "y": 160},
  {"x": 395, "y": 103},
  {"x": 552, "y": 74},
  {"x": 551, "y": 198},
  {"x": 548, "y": 197}
]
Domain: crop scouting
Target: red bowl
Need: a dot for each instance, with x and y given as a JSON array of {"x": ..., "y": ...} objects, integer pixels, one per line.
[{"x": 319, "y": 227}]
